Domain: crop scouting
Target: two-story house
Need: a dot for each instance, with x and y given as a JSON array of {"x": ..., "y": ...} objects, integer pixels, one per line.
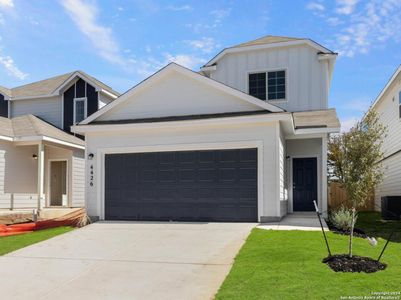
[
  {"x": 388, "y": 107},
  {"x": 244, "y": 139},
  {"x": 41, "y": 163}
]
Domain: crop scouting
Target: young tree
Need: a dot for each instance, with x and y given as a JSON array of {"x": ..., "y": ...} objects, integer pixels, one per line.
[{"x": 354, "y": 160}]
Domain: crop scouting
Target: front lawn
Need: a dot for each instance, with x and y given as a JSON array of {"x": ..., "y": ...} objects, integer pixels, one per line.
[
  {"x": 287, "y": 265},
  {"x": 12, "y": 243}
]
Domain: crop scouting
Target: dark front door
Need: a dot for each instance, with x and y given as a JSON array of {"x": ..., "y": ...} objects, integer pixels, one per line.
[
  {"x": 212, "y": 185},
  {"x": 304, "y": 182}
]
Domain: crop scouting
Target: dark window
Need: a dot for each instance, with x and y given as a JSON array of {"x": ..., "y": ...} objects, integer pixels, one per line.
[
  {"x": 267, "y": 86},
  {"x": 257, "y": 85},
  {"x": 276, "y": 85}
]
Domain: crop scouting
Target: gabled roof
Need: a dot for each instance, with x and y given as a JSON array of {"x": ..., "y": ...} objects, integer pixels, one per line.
[
  {"x": 184, "y": 71},
  {"x": 270, "y": 41},
  {"x": 51, "y": 86},
  {"x": 5, "y": 91},
  {"x": 386, "y": 87},
  {"x": 29, "y": 126}
]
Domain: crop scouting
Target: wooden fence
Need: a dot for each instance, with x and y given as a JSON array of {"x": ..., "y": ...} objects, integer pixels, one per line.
[{"x": 338, "y": 197}]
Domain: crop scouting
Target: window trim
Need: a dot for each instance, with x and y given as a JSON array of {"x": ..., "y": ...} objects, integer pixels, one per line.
[
  {"x": 85, "y": 99},
  {"x": 267, "y": 87}
]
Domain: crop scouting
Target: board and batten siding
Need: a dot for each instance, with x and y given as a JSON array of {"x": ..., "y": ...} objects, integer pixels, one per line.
[
  {"x": 78, "y": 178},
  {"x": 48, "y": 109},
  {"x": 389, "y": 113},
  {"x": 306, "y": 76}
]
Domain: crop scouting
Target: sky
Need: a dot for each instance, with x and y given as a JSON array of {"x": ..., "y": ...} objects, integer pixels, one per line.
[{"x": 123, "y": 42}]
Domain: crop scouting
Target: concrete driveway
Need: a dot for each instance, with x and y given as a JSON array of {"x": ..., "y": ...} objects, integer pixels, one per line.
[{"x": 117, "y": 260}]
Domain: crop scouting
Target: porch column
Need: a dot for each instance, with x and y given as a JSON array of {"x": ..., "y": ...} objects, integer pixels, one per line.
[
  {"x": 41, "y": 174},
  {"x": 324, "y": 175}
]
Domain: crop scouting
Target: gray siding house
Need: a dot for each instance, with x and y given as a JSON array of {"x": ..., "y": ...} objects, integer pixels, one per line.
[{"x": 41, "y": 163}]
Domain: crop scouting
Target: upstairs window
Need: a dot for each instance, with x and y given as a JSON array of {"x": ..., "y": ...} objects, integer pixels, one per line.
[
  {"x": 79, "y": 110},
  {"x": 268, "y": 85}
]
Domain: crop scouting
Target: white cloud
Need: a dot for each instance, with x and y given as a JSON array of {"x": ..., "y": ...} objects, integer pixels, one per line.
[
  {"x": 205, "y": 44},
  {"x": 150, "y": 65},
  {"x": 180, "y": 8},
  {"x": 348, "y": 123},
  {"x": 219, "y": 15},
  {"x": 357, "y": 105},
  {"x": 346, "y": 7},
  {"x": 315, "y": 6},
  {"x": 8, "y": 63},
  {"x": 187, "y": 61},
  {"x": 84, "y": 15},
  {"x": 6, "y": 3}
]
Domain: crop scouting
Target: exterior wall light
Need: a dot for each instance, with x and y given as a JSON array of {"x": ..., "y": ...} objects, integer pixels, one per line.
[
  {"x": 34, "y": 156},
  {"x": 91, "y": 156}
]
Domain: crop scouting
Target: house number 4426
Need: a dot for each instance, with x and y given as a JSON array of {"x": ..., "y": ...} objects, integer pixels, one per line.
[{"x": 91, "y": 175}]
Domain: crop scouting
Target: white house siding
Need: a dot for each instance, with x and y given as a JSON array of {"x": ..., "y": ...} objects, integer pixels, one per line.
[
  {"x": 103, "y": 100},
  {"x": 18, "y": 176},
  {"x": 305, "y": 148},
  {"x": 388, "y": 110},
  {"x": 48, "y": 109},
  {"x": 307, "y": 77},
  {"x": 177, "y": 95},
  {"x": 78, "y": 178},
  {"x": 200, "y": 137},
  {"x": 391, "y": 185}
]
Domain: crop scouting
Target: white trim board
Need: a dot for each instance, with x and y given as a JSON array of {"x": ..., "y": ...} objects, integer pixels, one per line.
[
  {"x": 237, "y": 49},
  {"x": 48, "y": 179},
  {"x": 101, "y": 152},
  {"x": 184, "y": 71}
]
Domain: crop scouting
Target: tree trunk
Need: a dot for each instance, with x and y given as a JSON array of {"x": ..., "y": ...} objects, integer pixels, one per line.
[{"x": 351, "y": 234}]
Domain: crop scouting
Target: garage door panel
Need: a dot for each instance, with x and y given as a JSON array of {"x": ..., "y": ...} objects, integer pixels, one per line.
[{"x": 207, "y": 185}]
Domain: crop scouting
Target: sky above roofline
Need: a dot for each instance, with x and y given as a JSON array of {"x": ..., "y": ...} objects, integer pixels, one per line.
[{"x": 123, "y": 42}]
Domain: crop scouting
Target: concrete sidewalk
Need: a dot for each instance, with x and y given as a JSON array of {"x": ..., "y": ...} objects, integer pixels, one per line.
[
  {"x": 297, "y": 221},
  {"x": 121, "y": 260}
]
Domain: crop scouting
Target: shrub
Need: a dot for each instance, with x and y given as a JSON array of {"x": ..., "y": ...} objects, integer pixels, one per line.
[{"x": 342, "y": 218}]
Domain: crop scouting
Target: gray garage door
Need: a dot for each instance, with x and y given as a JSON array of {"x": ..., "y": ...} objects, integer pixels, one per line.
[{"x": 213, "y": 185}]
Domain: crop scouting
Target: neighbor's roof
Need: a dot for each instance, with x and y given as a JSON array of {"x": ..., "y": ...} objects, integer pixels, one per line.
[
  {"x": 270, "y": 41},
  {"x": 31, "y": 126},
  {"x": 5, "y": 91},
  {"x": 316, "y": 119},
  {"x": 50, "y": 85}
]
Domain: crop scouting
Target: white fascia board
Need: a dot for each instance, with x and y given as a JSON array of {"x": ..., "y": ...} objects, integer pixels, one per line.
[
  {"x": 107, "y": 93},
  {"x": 175, "y": 67},
  {"x": 386, "y": 87},
  {"x": 317, "y": 130},
  {"x": 82, "y": 129},
  {"x": 32, "y": 97},
  {"x": 265, "y": 46},
  {"x": 6, "y": 138},
  {"x": 39, "y": 138},
  {"x": 208, "y": 68}
]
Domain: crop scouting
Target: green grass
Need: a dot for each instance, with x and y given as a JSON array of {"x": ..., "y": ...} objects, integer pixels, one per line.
[
  {"x": 287, "y": 265},
  {"x": 12, "y": 243}
]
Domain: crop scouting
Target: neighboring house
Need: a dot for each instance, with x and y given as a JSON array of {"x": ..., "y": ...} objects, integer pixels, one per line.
[
  {"x": 245, "y": 139},
  {"x": 388, "y": 106},
  {"x": 41, "y": 163}
]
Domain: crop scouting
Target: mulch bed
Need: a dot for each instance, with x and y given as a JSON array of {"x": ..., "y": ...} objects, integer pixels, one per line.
[
  {"x": 343, "y": 263},
  {"x": 357, "y": 232}
]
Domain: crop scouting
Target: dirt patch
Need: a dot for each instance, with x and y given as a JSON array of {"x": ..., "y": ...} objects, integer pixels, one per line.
[{"x": 344, "y": 263}]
